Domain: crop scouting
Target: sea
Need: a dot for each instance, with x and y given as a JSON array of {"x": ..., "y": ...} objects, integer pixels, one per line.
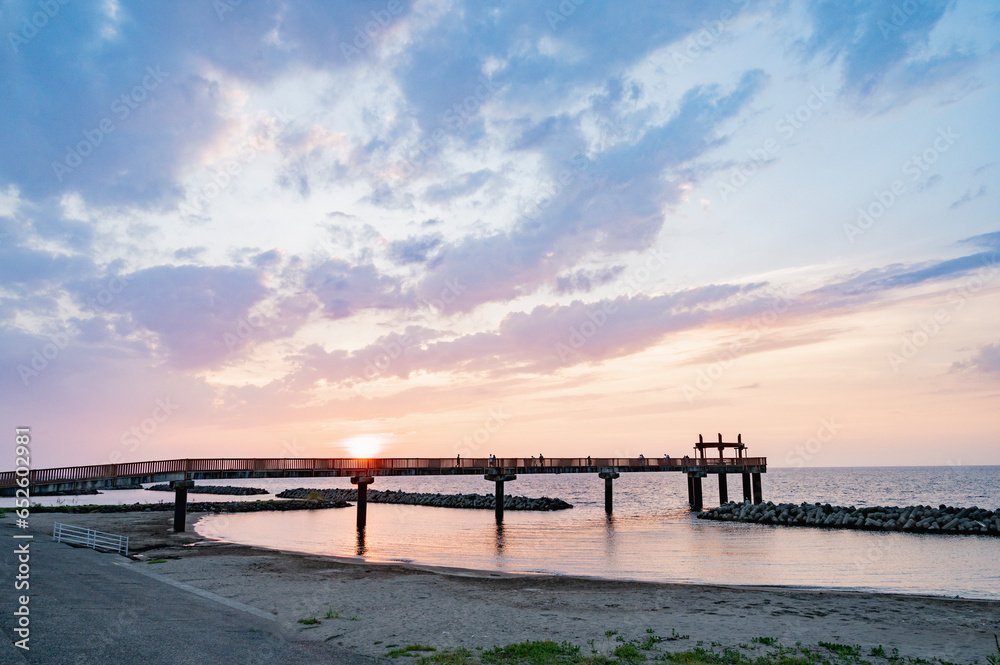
[{"x": 651, "y": 536}]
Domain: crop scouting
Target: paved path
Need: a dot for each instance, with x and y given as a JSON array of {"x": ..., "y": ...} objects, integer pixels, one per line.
[{"x": 87, "y": 607}]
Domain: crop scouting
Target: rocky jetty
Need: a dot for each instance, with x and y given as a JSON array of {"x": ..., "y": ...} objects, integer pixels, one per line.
[
  {"x": 213, "y": 489},
  {"x": 195, "y": 507},
  {"x": 911, "y": 519},
  {"x": 482, "y": 501},
  {"x": 132, "y": 486}
]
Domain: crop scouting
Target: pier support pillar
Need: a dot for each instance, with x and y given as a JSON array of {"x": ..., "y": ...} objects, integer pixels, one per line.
[
  {"x": 758, "y": 494},
  {"x": 609, "y": 477},
  {"x": 723, "y": 489},
  {"x": 180, "y": 488},
  {"x": 747, "y": 496},
  {"x": 499, "y": 478},
  {"x": 362, "y": 482},
  {"x": 694, "y": 489}
]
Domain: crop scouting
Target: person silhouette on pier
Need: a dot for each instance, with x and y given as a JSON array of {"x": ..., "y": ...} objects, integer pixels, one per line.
[{"x": 541, "y": 460}]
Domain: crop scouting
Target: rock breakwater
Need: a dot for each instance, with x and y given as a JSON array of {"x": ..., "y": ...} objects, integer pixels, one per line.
[
  {"x": 911, "y": 519},
  {"x": 213, "y": 489},
  {"x": 481, "y": 501}
]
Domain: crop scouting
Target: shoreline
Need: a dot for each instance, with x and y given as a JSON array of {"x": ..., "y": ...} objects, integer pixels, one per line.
[
  {"x": 484, "y": 573},
  {"x": 377, "y": 603}
]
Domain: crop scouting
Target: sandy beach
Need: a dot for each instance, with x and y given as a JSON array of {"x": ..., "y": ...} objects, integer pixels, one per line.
[{"x": 370, "y": 607}]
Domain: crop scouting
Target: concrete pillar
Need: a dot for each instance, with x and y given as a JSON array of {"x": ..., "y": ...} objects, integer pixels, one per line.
[
  {"x": 746, "y": 487},
  {"x": 696, "y": 483},
  {"x": 609, "y": 477},
  {"x": 362, "y": 482},
  {"x": 723, "y": 489},
  {"x": 690, "y": 491},
  {"x": 180, "y": 488},
  {"x": 498, "y": 499},
  {"x": 499, "y": 479},
  {"x": 758, "y": 494}
]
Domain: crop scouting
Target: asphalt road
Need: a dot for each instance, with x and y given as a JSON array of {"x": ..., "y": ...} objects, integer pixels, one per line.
[{"x": 88, "y": 607}]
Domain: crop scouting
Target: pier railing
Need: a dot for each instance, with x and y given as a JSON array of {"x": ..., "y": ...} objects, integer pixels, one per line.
[{"x": 432, "y": 465}]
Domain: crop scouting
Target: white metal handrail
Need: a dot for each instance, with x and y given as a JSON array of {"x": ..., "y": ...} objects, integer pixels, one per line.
[{"x": 75, "y": 535}]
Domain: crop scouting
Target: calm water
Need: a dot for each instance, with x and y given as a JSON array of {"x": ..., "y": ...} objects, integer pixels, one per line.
[{"x": 652, "y": 536}]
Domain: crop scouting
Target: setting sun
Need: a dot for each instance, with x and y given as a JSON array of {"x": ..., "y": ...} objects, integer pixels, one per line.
[{"x": 362, "y": 446}]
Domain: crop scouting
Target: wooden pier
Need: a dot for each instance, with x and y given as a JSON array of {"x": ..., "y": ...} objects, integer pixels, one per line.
[{"x": 363, "y": 472}]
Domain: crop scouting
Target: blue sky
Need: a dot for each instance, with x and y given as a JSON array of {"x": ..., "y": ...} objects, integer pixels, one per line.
[{"x": 306, "y": 225}]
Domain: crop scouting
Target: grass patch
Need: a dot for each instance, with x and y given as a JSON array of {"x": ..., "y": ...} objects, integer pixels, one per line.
[
  {"x": 696, "y": 656},
  {"x": 532, "y": 653},
  {"x": 648, "y": 643},
  {"x": 842, "y": 650},
  {"x": 309, "y": 622},
  {"x": 456, "y": 657},
  {"x": 157, "y": 561},
  {"x": 994, "y": 658},
  {"x": 629, "y": 653},
  {"x": 615, "y": 649},
  {"x": 334, "y": 614},
  {"x": 410, "y": 650}
]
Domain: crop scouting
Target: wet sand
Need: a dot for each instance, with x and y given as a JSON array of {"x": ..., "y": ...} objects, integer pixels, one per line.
[{"x": 378, "y": 604}]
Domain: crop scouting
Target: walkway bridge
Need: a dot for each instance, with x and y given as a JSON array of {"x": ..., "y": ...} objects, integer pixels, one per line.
[{"x": 181, "y": 473}]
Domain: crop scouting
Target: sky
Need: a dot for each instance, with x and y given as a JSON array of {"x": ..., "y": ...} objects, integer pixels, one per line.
[{"x": 563, "y": 227}]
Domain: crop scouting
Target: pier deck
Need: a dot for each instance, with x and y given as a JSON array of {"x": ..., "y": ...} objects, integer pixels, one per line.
[
  {"x": 181, "y": 473},
  {"x": 98, "y": 476}
]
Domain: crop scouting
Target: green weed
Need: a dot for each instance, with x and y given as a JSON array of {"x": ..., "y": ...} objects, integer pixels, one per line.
[
  {"x": 409, "y": 650},
  {"x": 842, "y": 650},
  {"x": 533, "y": 653}
]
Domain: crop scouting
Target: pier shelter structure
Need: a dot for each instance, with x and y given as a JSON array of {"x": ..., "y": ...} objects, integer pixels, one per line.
[{"x": 181, "y": 473}]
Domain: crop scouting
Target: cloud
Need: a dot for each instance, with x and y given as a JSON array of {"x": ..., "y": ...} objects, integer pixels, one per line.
[
  {"x": 624, "y": 183},
  {"x": 869, "y": 284},
  {"x": 465, "y": 184},
  {"x": 543, "y": 340},
  {"x": 414, "y": 249},
  {"x": 991, "y": 240},
  {"x": 191, "y": 309},
  {"x": 986, "y": 360},
  {"x": 345, "y": 289},
  {"x": 23, "y": 268},
  {"x": 968, "y": 196},
  {"x": 877, "y": 41},
  {"x": 586, "y": 280},
  {"x": 125, "y": 136}
]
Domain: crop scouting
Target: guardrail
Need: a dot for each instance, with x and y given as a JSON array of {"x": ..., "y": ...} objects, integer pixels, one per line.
[
  {"x": 75, "y": 535},
  {"x": 73, "y": 474}
]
